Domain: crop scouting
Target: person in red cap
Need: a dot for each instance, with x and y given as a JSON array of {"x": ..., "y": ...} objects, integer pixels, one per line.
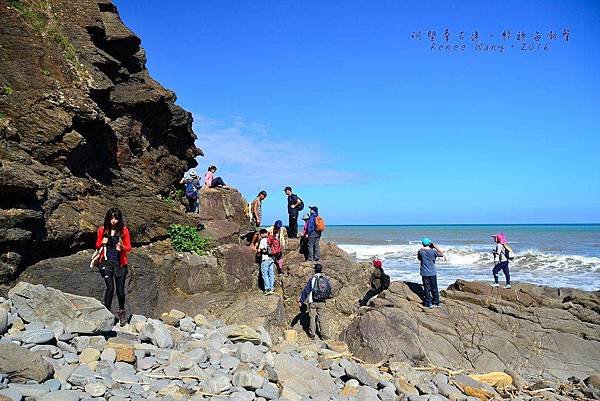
[{"x": 379, "y": 282}]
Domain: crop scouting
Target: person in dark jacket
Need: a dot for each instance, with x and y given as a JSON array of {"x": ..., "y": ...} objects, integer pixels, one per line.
[
  {"x": 316, "y": 309},
  {"x": 294, "y": 207},
  {"x": 114, "y": 241},
  {"x": 313, "y": 236},
  {"x": 376, "y": 283}
]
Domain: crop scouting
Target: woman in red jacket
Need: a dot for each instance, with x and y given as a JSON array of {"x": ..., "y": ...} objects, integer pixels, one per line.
[{"x": 113, "y": 238}]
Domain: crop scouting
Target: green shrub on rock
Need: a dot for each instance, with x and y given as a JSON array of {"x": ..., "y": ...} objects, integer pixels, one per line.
[{"x": 187, "y": 239}]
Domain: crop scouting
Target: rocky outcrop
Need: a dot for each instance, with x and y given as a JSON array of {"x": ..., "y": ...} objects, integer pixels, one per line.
[
  {"x": 36, "y": 303},
  {"x": 535, "y": 331},
  {"x": 83, "y": 127}
]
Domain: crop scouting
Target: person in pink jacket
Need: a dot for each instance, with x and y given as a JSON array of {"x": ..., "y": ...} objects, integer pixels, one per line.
[{"x": 211, "y": 181}]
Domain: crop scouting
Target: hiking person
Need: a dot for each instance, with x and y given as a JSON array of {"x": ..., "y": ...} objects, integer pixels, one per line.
[
  {"x": 267, "y": 262},
  {"x": 303, "y": 248},
  {"x": 504, "y": 253},
  {"x": 192, "y": 185},
  {"x": 278, "y": 232},
  {"x": 314, "y": 234},
  {"x": 256, "y": 209},
  {"x": 211, "y": 181},
  {"x": 114, "y": 241},
  {"x": 427, "y": 256},
  {"x": 315, "y": 292},
  {"x": 379, "y": 282},
  {"x": 295, "y": 205}
]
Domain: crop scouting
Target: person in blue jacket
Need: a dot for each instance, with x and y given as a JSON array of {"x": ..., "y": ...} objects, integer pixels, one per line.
[
  {"x": 316, "y": 308},
  {"x": 313, "y": 236}
]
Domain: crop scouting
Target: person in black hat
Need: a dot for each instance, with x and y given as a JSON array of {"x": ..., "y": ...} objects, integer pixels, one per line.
[{"x": 295, "y": 205}]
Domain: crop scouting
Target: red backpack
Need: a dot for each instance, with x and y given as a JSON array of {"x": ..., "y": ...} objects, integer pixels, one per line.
[{"x": 274, "y": 247}]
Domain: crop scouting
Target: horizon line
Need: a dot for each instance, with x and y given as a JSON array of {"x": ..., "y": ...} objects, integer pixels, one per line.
[{"x": 464, "y": 224}]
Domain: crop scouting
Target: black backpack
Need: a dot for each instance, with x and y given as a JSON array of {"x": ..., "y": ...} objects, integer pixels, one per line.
[
  {"x": 322, "y": 289},
  {"x": 300, "y": 206},
  {"x": 385, "y": 281}
]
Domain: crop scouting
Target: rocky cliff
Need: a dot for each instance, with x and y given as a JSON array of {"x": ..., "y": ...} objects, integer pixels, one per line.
[{"x": 83, "y": 127}]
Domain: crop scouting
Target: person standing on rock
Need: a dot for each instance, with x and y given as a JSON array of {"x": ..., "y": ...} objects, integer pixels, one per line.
[
  {"x": 256, "y": 209},
  {"x": 267, "y": 264},
  {"x": 278, "y": 232},
  {"x": 315, "y": 292},
  {"x": 295, "y": 205},
  {"x": 503, "y": 252},
  {"x": 303, "y": 249},
  {"x": 114, "y": 240},
  {"x": 427, "y": 256},
  {"x": 192, "y": 185},
  {"x": 314, "y": 235},
  {"x": 211, "y": 181}
]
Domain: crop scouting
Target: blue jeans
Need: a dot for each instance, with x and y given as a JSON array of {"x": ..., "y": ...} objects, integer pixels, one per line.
[
  {"x": 504, "y": 267},
  {"x": 268, "y": 274},
  {"x": 432, "y": 295}
]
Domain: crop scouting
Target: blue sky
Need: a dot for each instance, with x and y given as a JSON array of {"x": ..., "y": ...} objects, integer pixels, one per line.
[{"x": 337, "y": 100}]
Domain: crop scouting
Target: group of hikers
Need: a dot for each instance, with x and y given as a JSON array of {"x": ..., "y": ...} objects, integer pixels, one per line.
[
  {"x": 113, "y": 243},
  {"x": 192, "y": 186}
]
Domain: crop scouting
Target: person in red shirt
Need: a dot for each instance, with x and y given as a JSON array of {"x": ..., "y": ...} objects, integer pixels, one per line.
[{"x": 114, "y": 240}]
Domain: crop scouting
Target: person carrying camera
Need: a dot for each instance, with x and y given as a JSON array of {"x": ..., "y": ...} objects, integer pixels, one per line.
[
  {"x": 427, "y": 256},
  {"x": 113, "y": 238}
]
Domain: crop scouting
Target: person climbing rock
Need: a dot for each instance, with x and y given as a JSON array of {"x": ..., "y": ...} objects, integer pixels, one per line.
[
  {"x": 267, "y": 262},
  {"x": 316, "y": 292},
  {"x": 114, "y": 242},
  {"x": 192, "y": 185},
  {"x": 278, "y": 232}
]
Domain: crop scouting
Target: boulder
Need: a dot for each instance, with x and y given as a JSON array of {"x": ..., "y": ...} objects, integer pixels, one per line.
[
  {"x": 36, "y": 303},
  {"x": 299, "y": 379},
  {"x": 21, "y": 364},
  {"x": 527, "y": 336}
]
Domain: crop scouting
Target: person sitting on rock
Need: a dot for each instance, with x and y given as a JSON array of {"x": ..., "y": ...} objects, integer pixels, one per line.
[
  {"x": 192, "y": 185},
  {"x": 280, "y": 233},
  {"x": 267, "y": 263},
  {"x": 114, "y": 240},
  {"x": 379, "y": 282},
  {"x": 315, "y": 292},
  {"x": 427, "y": 256},
  {"x": 211, "y": 181}
]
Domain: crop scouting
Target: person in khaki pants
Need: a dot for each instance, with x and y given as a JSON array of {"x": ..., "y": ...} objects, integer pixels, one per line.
[{"x": 315, "y": 292}]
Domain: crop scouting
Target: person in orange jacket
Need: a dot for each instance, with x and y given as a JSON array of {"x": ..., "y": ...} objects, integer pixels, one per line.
[{"x": 114, "y": 242}]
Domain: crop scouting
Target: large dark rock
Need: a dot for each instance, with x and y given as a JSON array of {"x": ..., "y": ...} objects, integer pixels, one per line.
[
  {"x": 536, "y": 331},
  {"x": 83, "y": 127}
]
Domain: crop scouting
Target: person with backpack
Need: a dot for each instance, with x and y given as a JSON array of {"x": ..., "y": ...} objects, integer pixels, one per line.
[
  {"x": 295, "y": 205},
  {"x": 315, "y": 292},
  {"x": 315, "y": 227},
  {"x": 278, "y": 233},
  {"x": 192, "y": 185},
  {"x": 113, "y": 241},
  {"x": 211, "y": 181},
  {"x": 379, "y": 282},
  {"x": 266, "y": 250},
  {"x": 504, "y": 253},
  {"x": 427, "y": 256}
]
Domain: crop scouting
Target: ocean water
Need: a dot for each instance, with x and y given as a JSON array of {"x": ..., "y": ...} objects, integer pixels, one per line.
[{"x": 554, "y": 255}]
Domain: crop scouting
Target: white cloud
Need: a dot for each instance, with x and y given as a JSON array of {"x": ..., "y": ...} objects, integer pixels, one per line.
[{"x": 248, "y": 155}]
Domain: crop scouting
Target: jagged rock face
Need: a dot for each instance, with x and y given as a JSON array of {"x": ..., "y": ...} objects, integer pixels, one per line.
[
  {"x": 536, "y": 331},
  {"x": 83, "y": 127}
]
